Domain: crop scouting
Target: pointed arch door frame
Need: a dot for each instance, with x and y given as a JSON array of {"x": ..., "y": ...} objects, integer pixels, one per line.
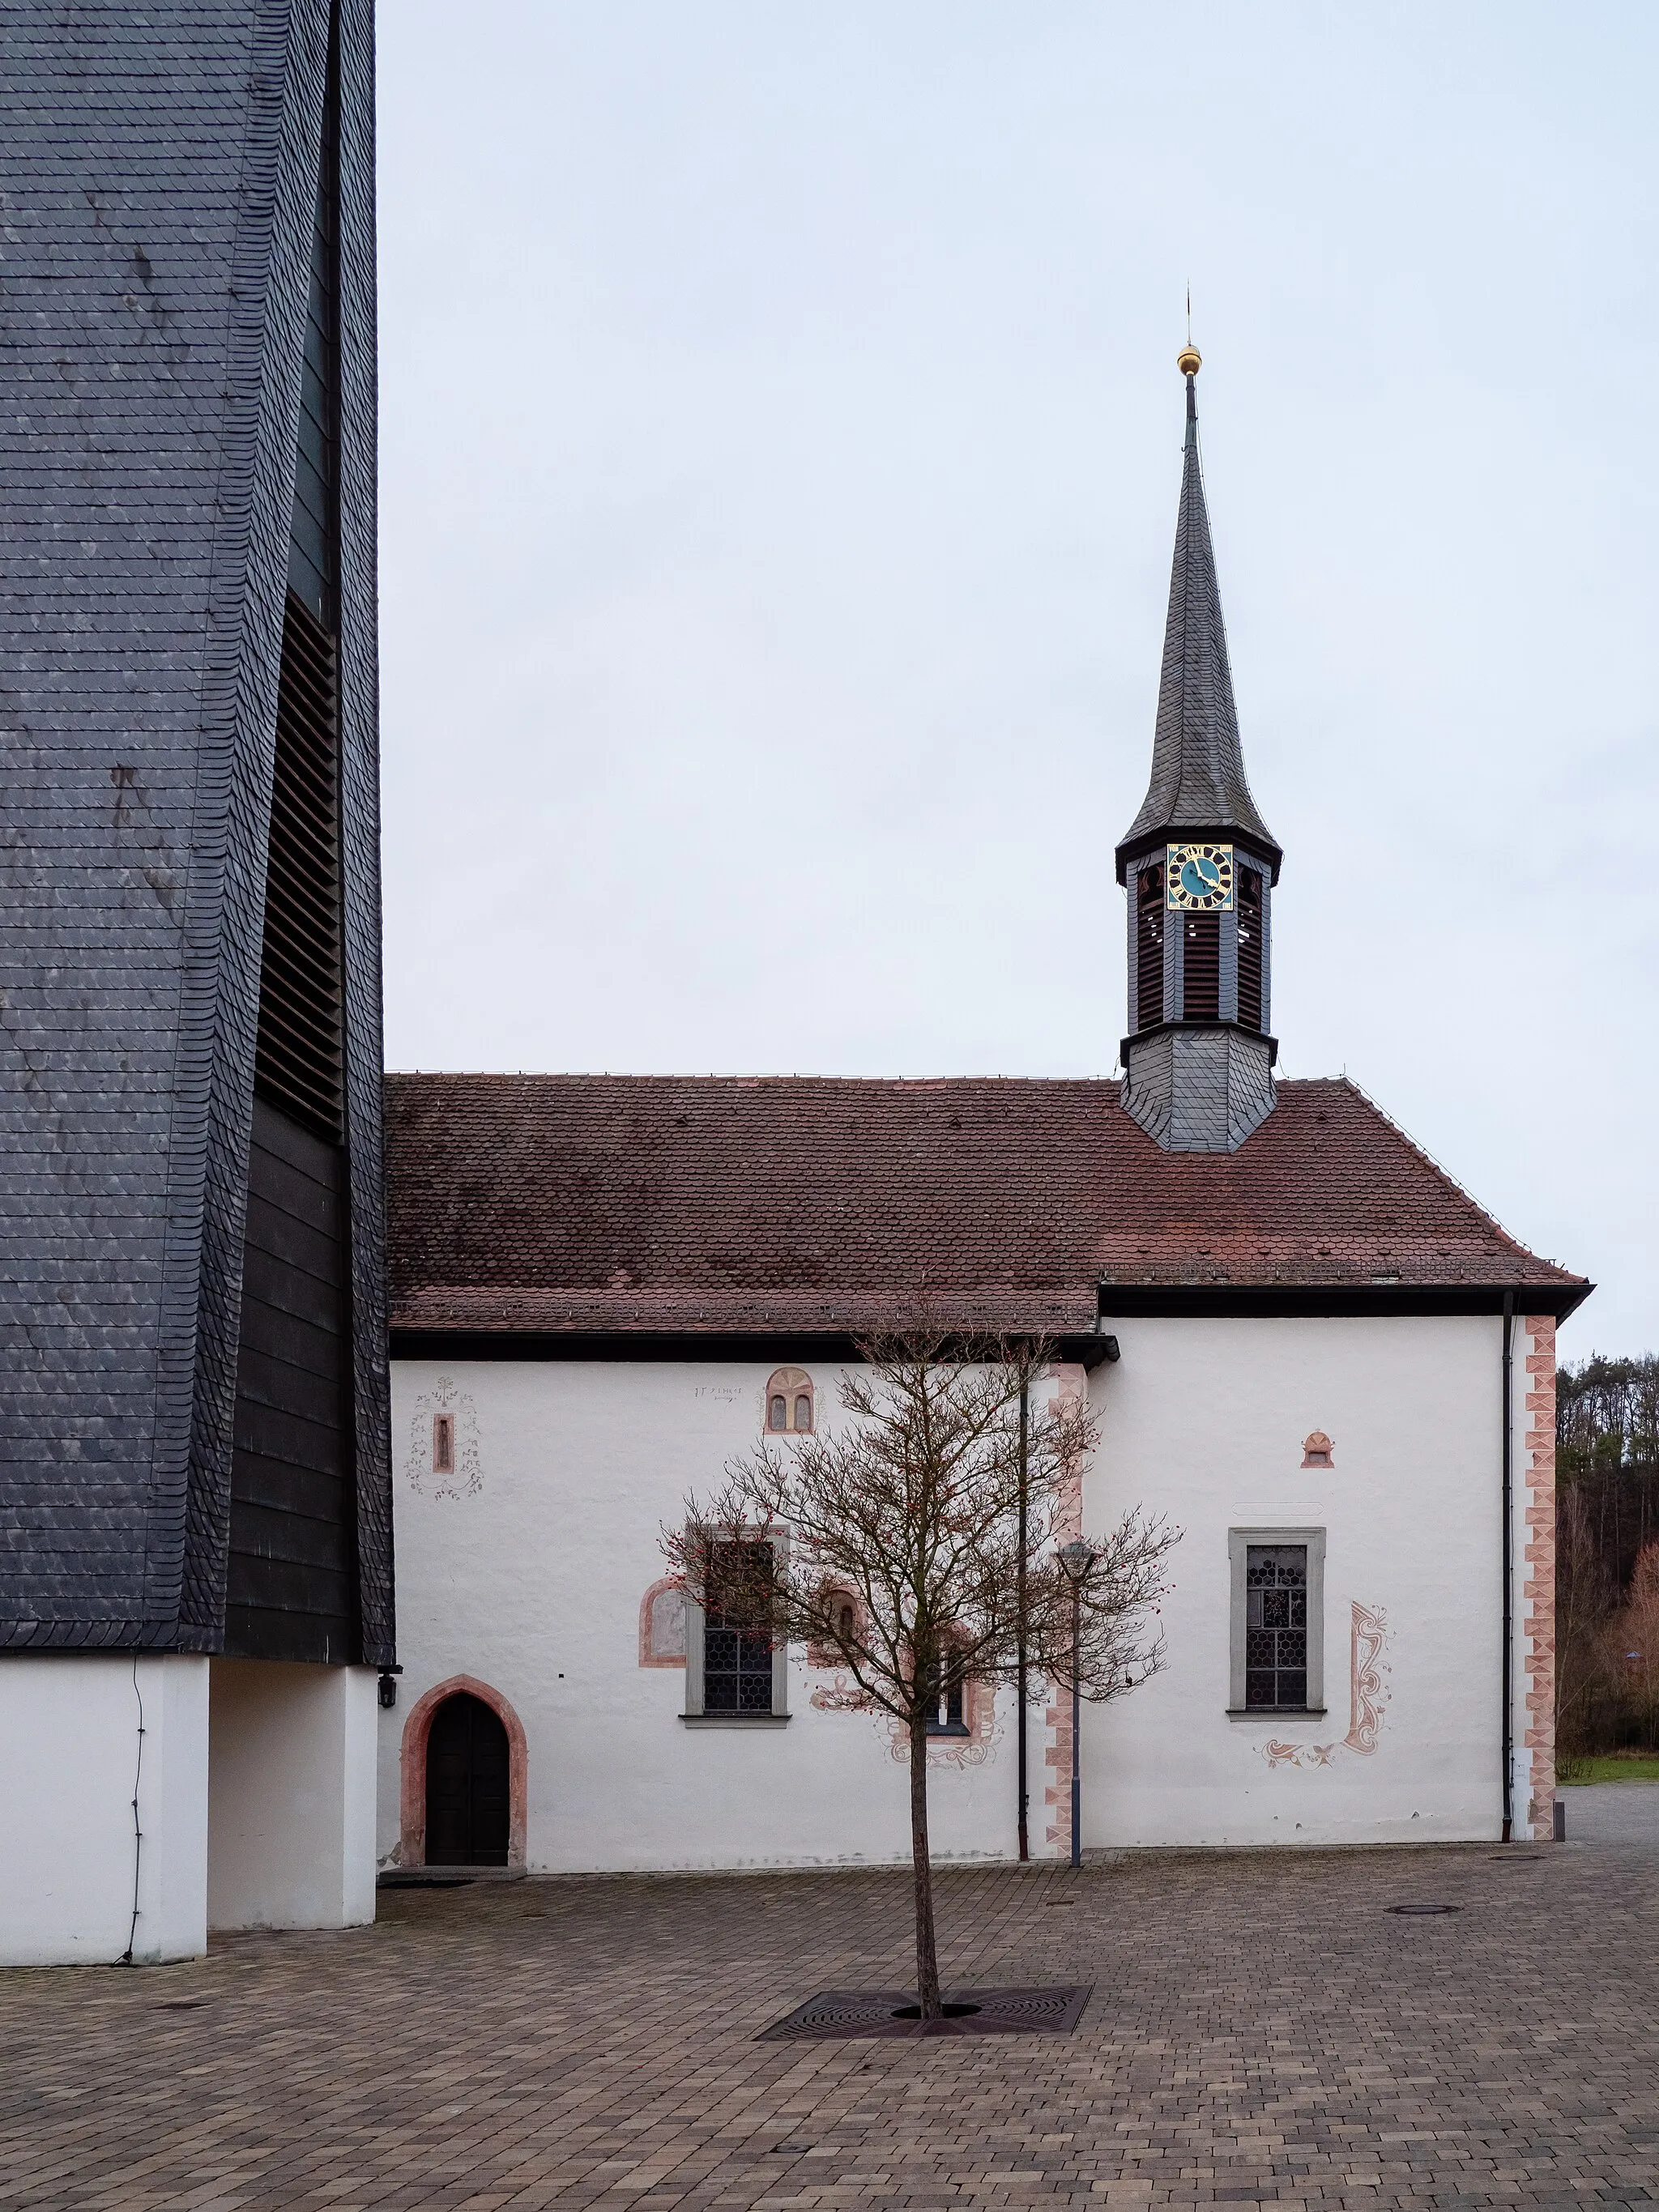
[{"x": 417, "y": 1730}]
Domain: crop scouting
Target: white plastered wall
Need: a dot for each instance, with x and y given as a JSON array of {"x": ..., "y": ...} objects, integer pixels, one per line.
[
  {"x": 68, "y": 1853},
  {"x": 525, "y": 1570},
  {"x": 291, "y": 1804},
  {"x": 531, "y": 1583},
  {"x": 1207, "y": 1419}
]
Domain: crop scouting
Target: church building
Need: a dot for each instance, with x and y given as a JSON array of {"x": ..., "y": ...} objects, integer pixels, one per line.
[
  {"x": 1306, "y": 1346},
  {"x": 195, "y": 1482}
]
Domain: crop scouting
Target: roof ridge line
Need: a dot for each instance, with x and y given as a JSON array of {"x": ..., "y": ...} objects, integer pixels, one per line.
[{"x": 612, "y": 1075}]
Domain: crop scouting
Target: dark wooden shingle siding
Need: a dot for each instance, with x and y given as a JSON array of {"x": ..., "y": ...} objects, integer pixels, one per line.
[{"x": 290, "y": 1592}]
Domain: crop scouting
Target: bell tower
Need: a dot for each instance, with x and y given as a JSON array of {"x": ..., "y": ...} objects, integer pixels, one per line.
[{"x": 1199, "y": 865}]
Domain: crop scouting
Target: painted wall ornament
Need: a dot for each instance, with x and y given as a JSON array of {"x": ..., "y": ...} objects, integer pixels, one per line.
[
  {"x": 443, "y": 1443},
  {"x": 1316, "y": 1450},
  {"x": 1368, "y": 1696},
  {"x": 662, "y": 1623}
]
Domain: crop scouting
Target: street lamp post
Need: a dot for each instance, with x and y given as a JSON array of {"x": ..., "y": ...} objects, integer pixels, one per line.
[{"x": 1076, "y": 1558}]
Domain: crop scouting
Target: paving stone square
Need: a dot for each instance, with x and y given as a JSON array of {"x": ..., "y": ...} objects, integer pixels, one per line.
[{"x": 1263, "y": 2030}]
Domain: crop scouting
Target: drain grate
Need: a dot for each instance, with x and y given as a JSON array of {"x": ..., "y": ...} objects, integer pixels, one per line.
[
  {"x": 1422, "y": 1912},
  {"x": 967, "y": 2012}
]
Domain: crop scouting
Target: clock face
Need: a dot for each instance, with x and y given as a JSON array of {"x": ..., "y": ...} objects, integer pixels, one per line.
[{"x": 1199, "y": 878}]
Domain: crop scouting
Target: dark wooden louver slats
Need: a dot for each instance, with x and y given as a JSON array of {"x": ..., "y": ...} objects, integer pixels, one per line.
[
  {"x": 291, "y": 1591},
  {"x": 1250, "y": 948},
  {"x": 291, "y": 1580},
  {"x": 1149, "y": 948},
  {"x": 298, "y": 1056},
  {"x": 1200, "y": 968}
]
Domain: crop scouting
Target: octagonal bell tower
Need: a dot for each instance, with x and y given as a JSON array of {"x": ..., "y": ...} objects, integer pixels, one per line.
[{"x": 1199, "y": 865}]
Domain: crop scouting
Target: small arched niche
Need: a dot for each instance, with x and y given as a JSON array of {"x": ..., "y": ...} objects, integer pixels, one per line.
[{"x": 791, "y": 1403}]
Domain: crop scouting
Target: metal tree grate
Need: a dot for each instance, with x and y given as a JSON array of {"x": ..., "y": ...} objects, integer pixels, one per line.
[{"x": 967, "y": 2012}]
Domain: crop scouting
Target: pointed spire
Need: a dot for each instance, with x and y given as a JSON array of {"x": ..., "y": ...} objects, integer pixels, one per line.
[{"x": 1198, "y": 786}]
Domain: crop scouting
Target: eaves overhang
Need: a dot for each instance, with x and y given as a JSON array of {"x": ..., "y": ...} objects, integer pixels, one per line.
[
  {"x": 1199, "y": 833},
  {"x": 1084, "y": 1348},
  {"x": 1216, "y": 1297}
]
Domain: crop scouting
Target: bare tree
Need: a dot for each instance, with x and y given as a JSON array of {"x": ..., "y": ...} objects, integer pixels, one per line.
[
  {"x": 1607, "y": 1517},
  {"x": 1586, "y": 1596},
  {"x": 913, "y": 1547},
  {"x": 1629, "y": 1647}
]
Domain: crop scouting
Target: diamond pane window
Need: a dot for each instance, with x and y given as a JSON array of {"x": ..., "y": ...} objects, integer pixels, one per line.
[
  {"x": 1276, "y": 1626},
  {"x": 736, "y": 1655}
]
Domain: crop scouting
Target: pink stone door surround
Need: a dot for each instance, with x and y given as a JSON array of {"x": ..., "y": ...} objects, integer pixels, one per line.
[{"x": 412, "y": 1848}]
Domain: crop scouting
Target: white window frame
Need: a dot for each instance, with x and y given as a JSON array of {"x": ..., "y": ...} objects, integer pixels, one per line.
[
  {"x": 694, "y": 1715},
  {"x": 1239, "y": 1541}
]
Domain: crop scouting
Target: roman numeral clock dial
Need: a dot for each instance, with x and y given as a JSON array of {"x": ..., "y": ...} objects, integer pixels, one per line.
[{"x": 1199, "y": 878}]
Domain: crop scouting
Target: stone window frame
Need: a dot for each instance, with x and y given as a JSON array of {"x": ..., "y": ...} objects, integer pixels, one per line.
[
  {"x": 1239, "y": 1541},
  {"x": 795, "y": 1386},
  {"x": 967, "y": 1687},
  {"x": 694, "y": 1715}
]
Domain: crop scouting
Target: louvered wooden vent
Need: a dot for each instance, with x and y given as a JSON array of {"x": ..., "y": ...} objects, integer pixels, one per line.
[
  {"x": 1201, "y": 955},
  {"x": 1149, "y": 948},
  {"x": 298, "y": 1058},
  {"x": 1250, "y": 948}
]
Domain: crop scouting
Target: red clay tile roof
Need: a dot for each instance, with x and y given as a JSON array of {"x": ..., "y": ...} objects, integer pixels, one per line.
[{"x": 583, "y": 1203}]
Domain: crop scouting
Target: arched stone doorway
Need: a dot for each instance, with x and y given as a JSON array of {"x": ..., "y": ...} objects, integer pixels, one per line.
[
  {"x": 467, "y": 1798},
  {"x": 465, "y": 1779}
]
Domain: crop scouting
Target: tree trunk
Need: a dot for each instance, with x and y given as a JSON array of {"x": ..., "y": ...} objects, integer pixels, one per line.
[{"x": 926, "y": 1950}]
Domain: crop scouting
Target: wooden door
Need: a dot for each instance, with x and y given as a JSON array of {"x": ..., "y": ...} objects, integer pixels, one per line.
[{"x": 468, "y": 1785}]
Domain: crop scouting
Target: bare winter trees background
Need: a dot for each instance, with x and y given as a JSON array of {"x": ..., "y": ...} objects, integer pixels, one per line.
[{"x": 1607, "y": 1556}]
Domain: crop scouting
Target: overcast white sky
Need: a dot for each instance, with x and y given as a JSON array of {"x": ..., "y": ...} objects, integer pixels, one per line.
[{"x": 780, "y": 439}]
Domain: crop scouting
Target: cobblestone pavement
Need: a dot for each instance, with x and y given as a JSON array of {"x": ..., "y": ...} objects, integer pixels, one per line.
[{"x": 1262, "y": 2030}]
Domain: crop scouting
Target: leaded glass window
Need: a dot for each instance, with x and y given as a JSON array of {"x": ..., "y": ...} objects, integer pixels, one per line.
[
  {"x": 736, "y": 1648},
  {"x": 1276, "y": 1626}
]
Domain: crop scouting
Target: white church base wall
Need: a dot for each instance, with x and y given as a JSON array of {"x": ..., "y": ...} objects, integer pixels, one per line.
[
  {"x": 1212, "y": 1419},
  {"x": 529, "y": 1566},
  {"x": 72, "y": 1868},
  {"x": 291, "y": 1807}
]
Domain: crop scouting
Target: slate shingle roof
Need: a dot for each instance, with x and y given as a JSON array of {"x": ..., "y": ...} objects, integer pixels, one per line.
[
  {"x": 154, "y": 272},
  {"x": 600, "y": 1204},
  {"x": 1198, "y": 780}
]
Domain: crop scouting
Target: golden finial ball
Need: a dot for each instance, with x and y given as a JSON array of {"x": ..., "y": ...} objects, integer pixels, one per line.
[{"x": 1189, "y": 361}]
